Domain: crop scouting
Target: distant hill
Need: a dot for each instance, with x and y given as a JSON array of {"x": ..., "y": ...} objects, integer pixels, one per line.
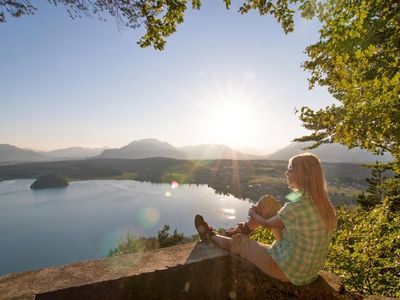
[
  {"x": 75, "y": 152},
  {"x": 144, "y": 148},
  {"x": 148, "y": 148},
  {"x": 214, "y": 151},
  {"x": 10, "y": 153},
  {"x": 329, "y": 153}
]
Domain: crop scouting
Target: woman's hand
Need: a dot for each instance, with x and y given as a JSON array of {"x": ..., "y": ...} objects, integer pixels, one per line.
[
  {"x": 252, "y": 212},
  {"x": 274, "y": 222}
]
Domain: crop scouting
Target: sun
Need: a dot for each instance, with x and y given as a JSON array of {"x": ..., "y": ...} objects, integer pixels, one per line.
[{"x": 231, "y": 122}]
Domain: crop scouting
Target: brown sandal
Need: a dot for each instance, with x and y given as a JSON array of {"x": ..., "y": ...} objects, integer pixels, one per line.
[{"x": 205, "y": 231}]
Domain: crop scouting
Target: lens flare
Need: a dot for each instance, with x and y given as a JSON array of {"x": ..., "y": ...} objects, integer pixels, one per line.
[
  {"x": 148, "y": 217},
  {"x": 174, "y": 184}
]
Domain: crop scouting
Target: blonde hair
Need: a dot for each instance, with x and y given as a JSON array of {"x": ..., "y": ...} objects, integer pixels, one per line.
[{"x": 309, "y": 178}]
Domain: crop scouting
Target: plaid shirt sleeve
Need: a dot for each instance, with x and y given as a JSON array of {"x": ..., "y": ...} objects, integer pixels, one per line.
[{"x": 287, "y": 216}]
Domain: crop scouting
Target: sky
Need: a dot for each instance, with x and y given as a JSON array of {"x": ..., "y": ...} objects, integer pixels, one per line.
[{"x": 223, "y": 78}]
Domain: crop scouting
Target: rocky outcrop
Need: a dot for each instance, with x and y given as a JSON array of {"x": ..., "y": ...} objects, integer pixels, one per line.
[{"x": 188, "y": 271}]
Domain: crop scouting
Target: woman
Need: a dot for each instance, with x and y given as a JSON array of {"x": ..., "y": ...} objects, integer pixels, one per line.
[{"x": 303, "y": 227}]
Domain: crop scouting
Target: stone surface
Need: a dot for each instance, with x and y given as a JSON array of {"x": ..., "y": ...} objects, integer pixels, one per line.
[{"x": 188, "y": 271}]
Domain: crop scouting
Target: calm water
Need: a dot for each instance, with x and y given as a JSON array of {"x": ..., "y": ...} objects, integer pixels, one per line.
[{"x": 86, "y": 219}]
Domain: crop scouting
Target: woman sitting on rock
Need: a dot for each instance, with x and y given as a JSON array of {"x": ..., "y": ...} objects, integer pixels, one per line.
[{"x": 303, "y": 227}]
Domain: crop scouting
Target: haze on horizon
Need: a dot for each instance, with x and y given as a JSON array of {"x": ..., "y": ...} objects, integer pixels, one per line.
[{"x": 224, "y": 78}]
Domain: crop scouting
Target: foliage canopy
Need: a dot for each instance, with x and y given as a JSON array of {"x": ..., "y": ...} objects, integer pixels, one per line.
[
  {"x": 358, "y": 59},
  {"x": 160, "y": 17}
]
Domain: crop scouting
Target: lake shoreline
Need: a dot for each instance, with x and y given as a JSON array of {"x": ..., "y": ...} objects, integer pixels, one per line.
[{"x": 250, "y": 179}]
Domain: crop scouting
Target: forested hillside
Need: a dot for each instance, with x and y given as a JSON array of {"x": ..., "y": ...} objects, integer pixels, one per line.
[{"x": 244, "y": 179}]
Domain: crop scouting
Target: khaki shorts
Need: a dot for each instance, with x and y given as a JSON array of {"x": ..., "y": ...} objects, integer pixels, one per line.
[{"x": 256, "y": 252}]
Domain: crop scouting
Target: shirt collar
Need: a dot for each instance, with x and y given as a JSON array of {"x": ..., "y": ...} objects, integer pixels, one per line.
[{"x": 294, "y": 196}]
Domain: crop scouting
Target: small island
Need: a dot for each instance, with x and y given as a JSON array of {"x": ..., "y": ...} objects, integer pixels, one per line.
[{"x": 49, "y": 181}]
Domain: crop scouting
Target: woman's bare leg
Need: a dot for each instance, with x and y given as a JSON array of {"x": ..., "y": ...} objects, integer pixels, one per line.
[{"x": 222, "y": 241}]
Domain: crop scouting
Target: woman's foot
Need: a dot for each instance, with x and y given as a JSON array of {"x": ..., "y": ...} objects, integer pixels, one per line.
[{"x": 205, "y": 231}]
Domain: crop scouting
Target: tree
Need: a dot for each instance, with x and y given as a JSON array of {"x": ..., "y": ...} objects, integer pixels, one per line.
[
  {"x": 130, "y": 243},
  {"x": 160, "y": 17},
  {"x": 357, "y": 59},
  {"x": 365, "y": 251},
  {"x": 165, "y": 239},
  {"x": 375, "y": 194}
]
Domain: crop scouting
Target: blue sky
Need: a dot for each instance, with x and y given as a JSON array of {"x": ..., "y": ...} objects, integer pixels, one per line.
[{"x": 223, "y": 78}]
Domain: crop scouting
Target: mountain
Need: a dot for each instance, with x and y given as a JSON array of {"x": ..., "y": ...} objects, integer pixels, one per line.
[
  {"x": 250, "y": 151},
  {"x": 75, "y": 152},
  {"x": 10, "y": 153},
  {"x": 147, "y": 148},
  {"x": 214, "y": 151},
  {"x": 329, "y": 153},
  {"x": 144, "y": 148}
]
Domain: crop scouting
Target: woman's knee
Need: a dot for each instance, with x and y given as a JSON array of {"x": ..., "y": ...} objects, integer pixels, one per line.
[
  {"x": 267, "y": 206},
  {"x": 266, "y": 199}
]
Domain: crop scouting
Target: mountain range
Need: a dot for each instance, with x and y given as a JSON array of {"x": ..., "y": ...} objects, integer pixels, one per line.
[
  {"x": 147, "y": 148},
  {"x": 75, "y": 152},
  {"x": 334, "y": 153},
  {"x": 10, "y": 154}
]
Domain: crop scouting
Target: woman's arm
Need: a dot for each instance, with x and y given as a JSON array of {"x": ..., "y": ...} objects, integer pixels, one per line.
[{"x": 273, "y": 222}]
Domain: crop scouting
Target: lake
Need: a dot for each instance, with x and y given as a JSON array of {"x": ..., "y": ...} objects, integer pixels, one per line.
[{"x": 86, "y": 219}]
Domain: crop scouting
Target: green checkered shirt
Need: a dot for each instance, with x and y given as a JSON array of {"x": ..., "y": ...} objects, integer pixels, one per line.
[{"x": 304, "y": 246}]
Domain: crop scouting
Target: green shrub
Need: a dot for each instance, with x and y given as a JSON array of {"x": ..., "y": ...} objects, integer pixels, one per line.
[
  {"x": 365, "y": 251},
  {"x": 263, "y": 235},
  {"x": 131, "y": 243}
]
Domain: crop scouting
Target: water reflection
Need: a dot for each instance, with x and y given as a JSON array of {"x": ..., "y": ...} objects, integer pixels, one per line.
[{"x": 229, "y": 213}]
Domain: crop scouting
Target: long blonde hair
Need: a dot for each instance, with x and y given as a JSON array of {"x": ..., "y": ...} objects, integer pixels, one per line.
[{"x": 309, "y": 178}]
